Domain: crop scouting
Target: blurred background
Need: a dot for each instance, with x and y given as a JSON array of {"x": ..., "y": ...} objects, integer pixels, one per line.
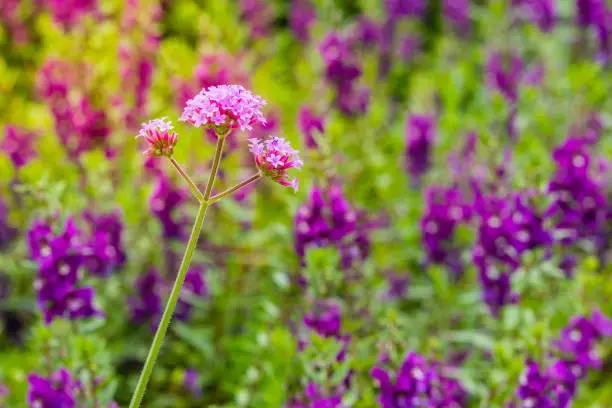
[{"x": 449, "y": 245}]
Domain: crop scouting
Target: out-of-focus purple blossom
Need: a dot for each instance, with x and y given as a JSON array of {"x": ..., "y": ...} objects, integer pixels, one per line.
[
  {"x": 409, "y": 46},
  {"x": 164, "y": 202},
  {"x": 504, "y": 74},
  {"x": 420, "y": 137},
  {"x": 146, "y": 304},
  {"x": 194, "y": 286},
  {"x": 7, "y": 232},
  {"x": 508, "y": 227},
  {"x": 57, "y": 391},
  {"x": 580, "y": 209},
  {"x": 223, "y": 108},
  {"x": 79, "y": 125},
  {"x": 301, "y": 18},
  {"x": 366, "y": 33},
  {"x": 445, "y": 209},
  {"x": 18, "y": 144},
  {"x": 342, "y": 70},
  {"x": 324, "y": 222},
  {"x": 418, "y": 383},
  {"x": 315, "y": 397},
  {"x": 457, "y": 12},
  {"x": 556, "y": 386},
  {"x": 578, "y": 340},
  {"x": 397, "y": 285},
  {"x": 192, "y": 383},
  {"x": 406, "y": 8},
  {"x": 68, "y": 13},
  {"x": 11, "y": 18},
  {"x": 541, "y": 12},
  {"x": 259, "y": 15},
  {"x": 104, "y": 251},
  {"x": 273, "y": 157},
  {"x": 590, "y": 12},
  {"x": 326, "y": 319},
  {"x": 309, "y": 123},
  {"x": 60, "y": 259}
]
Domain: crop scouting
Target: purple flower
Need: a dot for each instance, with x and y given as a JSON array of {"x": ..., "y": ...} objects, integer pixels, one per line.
[
  {"x": 7, "y": 232},
  {"x": 68, "y": 12},
  {"x": 104, "y": 252},
  {"x": 192, "y": 383},
  {"x": 332, "y": 222},
  {"x": 541, "y": 12},
  {"x": 259, "y": 15},
  {"x": 445, "y": 210},
  {"x": 367, "y": 32},
  {"x": 590, "y": 12},
  {"x": 18, "y": 144},
  {"x": 504, "y": 74},
  {"x": 57, "y": 391},
  {"x": 309, "y": 123},
  {"x": 326, "y": 319},
  {"x": 164, "y": 202},
  {"x": 159, "y": 135},
  {"x": 301, "y": 18},
  {"x": 508, "y": 227},
  {"x": 420, "y": 136},
  {"x": 315, "y": 397},
  {"x": 194, "y": 286},
  {"x": 458, "y": 12},
  {"x": 146, "y": 305},
  {"x": 223, "y": 108},
  {"x": 60, "y": 259},
  {"x": 407, "y": 8},
  {"x": 418, "y": 383},
  {"x": 273, "y": 157},
  {"x": 580, "y": 207}
]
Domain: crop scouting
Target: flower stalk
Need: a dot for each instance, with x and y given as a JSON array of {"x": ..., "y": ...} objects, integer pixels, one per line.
[
  {"x": 162, "y": 328},
  {"x": 237, "y": 187}
]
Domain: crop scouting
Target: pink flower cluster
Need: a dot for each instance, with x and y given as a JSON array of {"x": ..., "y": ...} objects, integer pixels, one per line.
[
  {"x": 223, "y": 108},
  {"x": 274, "y": 157},
  {"x": 160, "y": 136}
]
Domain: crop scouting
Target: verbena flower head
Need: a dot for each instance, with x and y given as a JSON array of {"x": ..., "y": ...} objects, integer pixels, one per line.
[
  {"x": 160, "y": 136},
  {"x": 274, "y": 157},
  {"x": 223, "y": 108},
  {"x": 56, "y": 391}
]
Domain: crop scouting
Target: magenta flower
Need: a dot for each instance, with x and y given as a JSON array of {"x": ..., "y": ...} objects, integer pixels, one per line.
[
  {"x": 224, "y": 107},
  {"x": 274, "y": 157},
  {"x": 160, "y": 136}
]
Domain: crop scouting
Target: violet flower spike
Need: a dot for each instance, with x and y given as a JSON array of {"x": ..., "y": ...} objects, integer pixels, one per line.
[
  {"x": 159, "y": 135},
  {"x": 274, "y": 157}
]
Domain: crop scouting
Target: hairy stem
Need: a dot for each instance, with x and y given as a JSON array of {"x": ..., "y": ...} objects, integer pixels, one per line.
[
  {"x": 158, "y": 340},
  {"x": 215, "y": 167},
  {"x": 237, "y": 187},
  {"x": 194, "y": 189}
]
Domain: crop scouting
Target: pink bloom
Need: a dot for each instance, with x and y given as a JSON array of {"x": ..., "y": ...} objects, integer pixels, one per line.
[
  {"x": 274, "y": 157},
  {"x": 160, "y": 136},
  {"x": 224, "y": 107}
]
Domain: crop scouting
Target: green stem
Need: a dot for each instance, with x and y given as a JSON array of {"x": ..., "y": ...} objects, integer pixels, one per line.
[
  {"x": 194, "y": 189},
  {"x": 158, "y": 340},
  {"x": 215, "y": 167},
  {"x": 238, "y": 186}
]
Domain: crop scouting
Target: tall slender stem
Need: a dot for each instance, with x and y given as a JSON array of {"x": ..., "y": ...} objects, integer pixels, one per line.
[
  {"x": 215, "y": 166},
  {"x": 194, "y": 189},
  {"x": 238, "y": 186},
  {"x": 158, "y": 340},
  {"x": 162, "y": 329}
]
